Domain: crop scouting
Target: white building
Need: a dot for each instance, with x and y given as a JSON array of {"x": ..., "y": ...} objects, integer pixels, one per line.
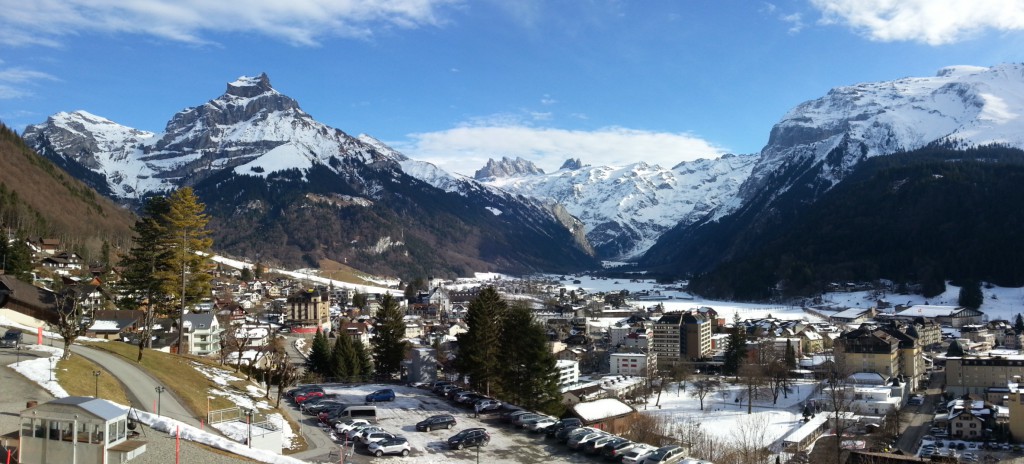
[
  {"x": 568, "y": 371},
  {"x": 632, "y": 364}
]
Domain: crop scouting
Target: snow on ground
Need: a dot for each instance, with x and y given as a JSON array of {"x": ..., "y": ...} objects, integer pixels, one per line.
[
  {"x": 999, "y": 303},
  {"x": 311, "y": 276},
  {"x": 251, "y": 398},
  {"x": 32, "y": 331},
  {"x": 722, "y": 414},
  {"x": 42, "y": 370}
]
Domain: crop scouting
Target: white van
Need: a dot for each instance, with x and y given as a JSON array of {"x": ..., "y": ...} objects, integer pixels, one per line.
[{"x": 359, "y": 412}]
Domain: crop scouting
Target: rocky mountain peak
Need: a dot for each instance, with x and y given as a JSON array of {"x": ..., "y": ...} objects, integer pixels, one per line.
[
  {"x": 507, "y": 167},
  {"x": 248, "y": 87},
  {"x": 571, "y": 164}
]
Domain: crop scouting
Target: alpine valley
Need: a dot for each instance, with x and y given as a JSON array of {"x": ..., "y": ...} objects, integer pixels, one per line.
[{"x": 278, "y": 183}]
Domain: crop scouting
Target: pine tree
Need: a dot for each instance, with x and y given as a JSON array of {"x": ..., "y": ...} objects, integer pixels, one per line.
[
  {"x": 186, "y": 228},
  {"x": 1018, "y": 324},
  {"x": 528, "y": 374},
  {"x": 145, "y": 268},
  {"x": 790, "y": 355},
  {"x": 735, "y": 349},
  {"x": 480, "y": 355},
  {"x": 16, "y": 258},
  {"x": 319, "y": 358},
  {"x": 388, "y": 343},
  {"x": 245, "y": 275},
  {"x": 970, "y": 295},
  {"x": 363, "y": 360},
  {"x": 343, "y": 363}
]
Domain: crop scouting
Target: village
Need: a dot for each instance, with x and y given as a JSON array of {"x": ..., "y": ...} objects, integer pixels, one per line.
[{"x": 869, "y": 381}]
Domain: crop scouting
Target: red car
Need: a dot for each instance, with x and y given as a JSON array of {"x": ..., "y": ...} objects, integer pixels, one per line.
[{"x": 307, "y": 395}]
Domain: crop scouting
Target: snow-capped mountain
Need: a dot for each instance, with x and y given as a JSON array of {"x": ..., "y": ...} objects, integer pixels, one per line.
[
  {"x": 820, "y": 142},
  {"x": 626, "y": 208},
  {"x": 251, "y": 128},
  {"x": 271, "y": 175},
  {"x": 961, "y": 105},
  {"x": 507, "y": 167}
]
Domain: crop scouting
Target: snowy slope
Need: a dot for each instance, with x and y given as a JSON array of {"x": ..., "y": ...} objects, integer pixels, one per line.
[
  {"x": 626, "y": 208},
  {"x": 961, "y": 105}
]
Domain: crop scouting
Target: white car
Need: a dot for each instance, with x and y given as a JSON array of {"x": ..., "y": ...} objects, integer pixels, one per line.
[
  {"x": 541, "y": 424},
  {"x": 342, "y": 427},
  {"x": 638, "y": 454},
  {"x": 375, "y": 437},
  {"x": 396, "y": 445}
]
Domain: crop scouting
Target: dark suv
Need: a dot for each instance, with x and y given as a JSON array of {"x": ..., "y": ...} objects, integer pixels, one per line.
[
  {"x": 440, "y": 421},
  {"x": 568, "y": 423},
  {"x": 11, "y": 338},
  {"x": 469, "y": 437}
]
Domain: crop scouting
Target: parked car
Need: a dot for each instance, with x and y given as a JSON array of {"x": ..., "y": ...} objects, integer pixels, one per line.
[
  {"x": 614, "y": 450},
  {"x": 317, "y": 407},
  {"x": 396, "y": 445},
  {"x": 386, "y": 394},
  {"x": 513, "y": 414},
  {"x": 595, "y": 446},
  {"x": 569, "y": 423},
  {"x": 565, "y": 435},
  {"x": 12, "y": 338},
  {"x": 303, "y": 397},
  {"x": 437, "y": 386},
  {"x": 637, "y": 454},
  {"x": 469, "y": 437},
  {"x": 666, "y": 455},
  {"x": 540, "y": 424},
  {"x": 579, "y": 442},
  {"x": 520, "y": 420},
  {"x": 375, "y": 436},
  {"x": 342, "y": 427},
  {"x": 440, "y": 421},
  {"x": 359, "y": 432},
  {"x": 450, "y": 394},
  {"x": 488, "y": 404},
  {"x": 305, "y": 388},
  {"x": 469, "y": 398}
]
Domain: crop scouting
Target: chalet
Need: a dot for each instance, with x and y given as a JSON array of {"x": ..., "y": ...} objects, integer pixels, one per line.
[
  {"x": 76, "y": 429},
  {"x": 25, "y": 303},
  {"x": 356, "y": 330},
  {"x": 47, "y": 246}
]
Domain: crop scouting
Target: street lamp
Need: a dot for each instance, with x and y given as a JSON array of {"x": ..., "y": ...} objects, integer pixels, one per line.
[
  {"x": 159, "y": 396},
  {"x": 97, "y": 375},
  {"x": 51, "y": 368}
]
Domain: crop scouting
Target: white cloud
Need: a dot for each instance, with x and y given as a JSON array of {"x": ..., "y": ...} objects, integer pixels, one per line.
[
  {"x": 466, "y": 149},
  {"x": 13, "y": 81},
  {"x": 795, "y": 20},
  {"x": 546, "y": 100},
  {"x": 300, "y": 22},
  {"x": 934, "y": 22}
]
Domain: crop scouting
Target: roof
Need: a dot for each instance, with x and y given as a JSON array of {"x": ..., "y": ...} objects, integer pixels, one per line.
[
  {"x": 851, "y": 313},
  {"x": 27, "y": 294},
  {"x": 199, "y": 320},
  {"x": 100, "y": 408},
  {"x": 594, "y": 411},
  {"x": 930, "y": 311}
]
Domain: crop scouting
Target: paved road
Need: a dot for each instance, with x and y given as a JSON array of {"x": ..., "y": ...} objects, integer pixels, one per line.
[
  {"x": 919, "y": 419},
  {"x": 139, "y": 385}
]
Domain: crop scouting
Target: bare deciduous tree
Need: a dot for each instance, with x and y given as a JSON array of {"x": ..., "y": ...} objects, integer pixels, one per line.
[
  {"x": 703, "y": 388},
  {"x": 72, "y": 316},
  {"x": 750, "y": 439}
]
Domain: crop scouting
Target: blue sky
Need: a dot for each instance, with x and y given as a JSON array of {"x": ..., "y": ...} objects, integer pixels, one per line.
[{"x": 455, "y": 82}]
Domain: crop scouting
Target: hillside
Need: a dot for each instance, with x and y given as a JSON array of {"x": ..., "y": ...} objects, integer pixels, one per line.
[
  {"x": 40, "y": 199},
  {"x": 912, "y": 217}
]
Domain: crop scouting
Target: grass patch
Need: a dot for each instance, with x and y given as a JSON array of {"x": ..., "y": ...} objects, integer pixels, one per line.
[
  {"x": 75, "y": 375},
  {"x": 190, "y": 386},
  {"x": 338, "y": 271}
]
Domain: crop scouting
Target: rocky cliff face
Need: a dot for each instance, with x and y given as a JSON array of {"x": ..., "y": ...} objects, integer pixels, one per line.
[{"x": 507, "y": 167}]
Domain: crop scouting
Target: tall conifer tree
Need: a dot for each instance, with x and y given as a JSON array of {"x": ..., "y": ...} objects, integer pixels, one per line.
[
  {"x": 388, "y": 342},
  {"x": 480, "y": 354}
]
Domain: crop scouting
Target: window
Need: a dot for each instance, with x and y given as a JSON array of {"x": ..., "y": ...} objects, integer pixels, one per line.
[{"x": 54, "y": 430}]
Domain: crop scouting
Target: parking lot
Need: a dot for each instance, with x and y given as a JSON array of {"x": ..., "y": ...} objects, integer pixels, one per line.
[{"x": 411, "y": 405}]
